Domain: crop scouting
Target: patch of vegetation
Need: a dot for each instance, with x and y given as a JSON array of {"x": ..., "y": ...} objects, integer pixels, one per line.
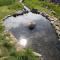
[
  {"x": 46, "y": 7},
  {"x": 27, "y": 54},
  {"x": 6, "y": 10},
  {"x": 7, "y": 2}
]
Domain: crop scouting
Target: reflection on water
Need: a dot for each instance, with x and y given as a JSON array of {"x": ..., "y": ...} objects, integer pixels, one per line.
[{"x": 42, "y": 39}]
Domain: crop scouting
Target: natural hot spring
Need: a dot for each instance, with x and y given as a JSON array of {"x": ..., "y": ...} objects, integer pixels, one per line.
[{"x": 41, "y": 39}]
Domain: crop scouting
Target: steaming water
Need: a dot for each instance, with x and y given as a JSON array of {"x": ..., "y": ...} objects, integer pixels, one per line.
[{"x": 42, "y": 39}]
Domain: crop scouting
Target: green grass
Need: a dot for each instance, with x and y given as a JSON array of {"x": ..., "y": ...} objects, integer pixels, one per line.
[
  {"x": 22, "y": 55},
  {"x": 6, "y": 10},
  {"x": 7, "y": 2},
  {"x": 40, "y": 5}
]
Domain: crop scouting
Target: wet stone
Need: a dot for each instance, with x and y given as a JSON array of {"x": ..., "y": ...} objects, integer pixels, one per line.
[{"x": 35, "y": 11}]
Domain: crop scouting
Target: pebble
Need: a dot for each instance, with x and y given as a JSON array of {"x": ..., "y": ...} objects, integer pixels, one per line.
[
  {"x": 51, "y": 19},
  {"x": 58, "y": 32},
  {"x": 57, "y": 28},
  {"x": 52, "y": 22},
  {"x": 59, "y": 39}
]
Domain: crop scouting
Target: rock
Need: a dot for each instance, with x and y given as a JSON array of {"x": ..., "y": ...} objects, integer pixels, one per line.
[
  {"x": 57, "y": 23},
  {"x": 31, "y": 25},
  {"x": 26, "y": 8},
  {"x": 20, "y": 1},
  {"x": 17, "y": 14},
  {"x": 55, "y": 19},
  {"x": 58, "y": 32},
  {"x": 52, "y": 22},
  {"x": 45, "y": 15},
  {"x": 51, "y": 19},
  {"x": 57, "y": 27},
  {"x": 59, "y": 39},
  {"x": 25, "y": 11},
  {"x": 35, "y": 11}
]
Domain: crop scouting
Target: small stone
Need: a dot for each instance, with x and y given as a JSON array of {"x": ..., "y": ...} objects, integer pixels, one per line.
[
  {"x": 31, "y": 25},
  {"x": 35, "y": 11},
  {"x": 59, "y": 39},
  {"x": 59, "y": 35},
  {"x": 58, "y": 32},
  {"x": 51, "y": 19},
  {"x": 52, "y": 22},
  {"x": 57, "y": 27},
  {"x": 57, "y": 23},
  {"x": 43, "y": 14}
]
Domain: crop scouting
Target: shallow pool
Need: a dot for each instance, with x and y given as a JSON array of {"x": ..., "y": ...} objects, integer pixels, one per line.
[{"x": 41, "y": 39}]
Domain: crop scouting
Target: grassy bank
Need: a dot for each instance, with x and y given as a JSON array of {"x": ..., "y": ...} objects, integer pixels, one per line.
[
  {"x": 5, "y": 10},
  {"x": 50, "y": 8},
  {"x": 7, "y": 2}
]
